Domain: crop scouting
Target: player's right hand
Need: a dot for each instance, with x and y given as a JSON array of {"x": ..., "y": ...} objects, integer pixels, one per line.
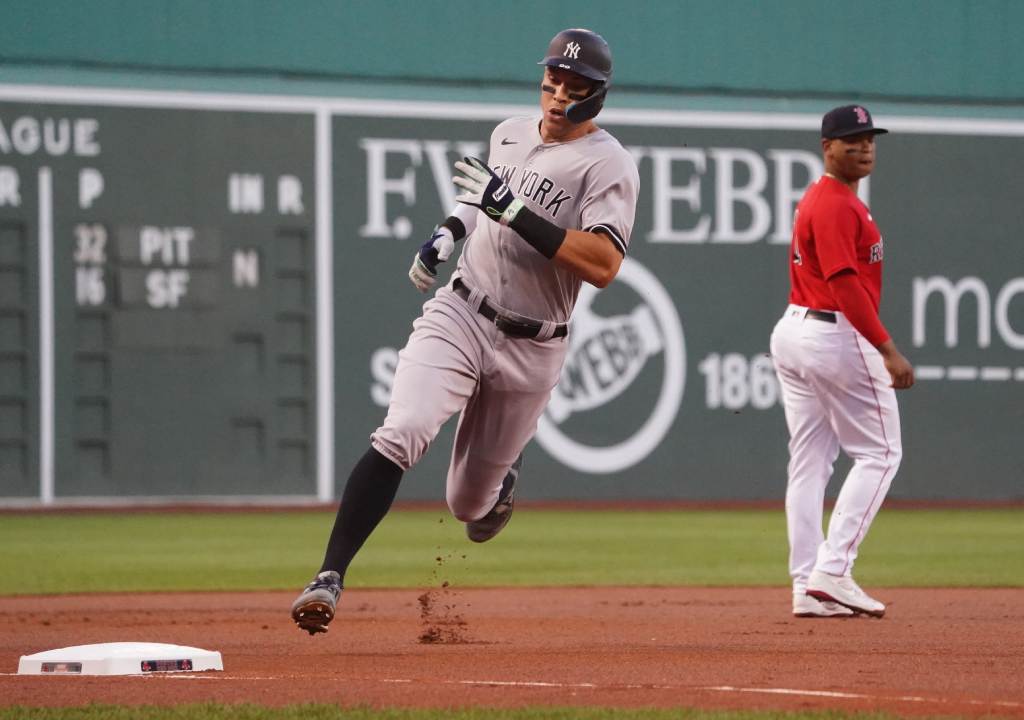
[
  {"x": 437, "y": 249},
  {"x": 483, "y": 188}
]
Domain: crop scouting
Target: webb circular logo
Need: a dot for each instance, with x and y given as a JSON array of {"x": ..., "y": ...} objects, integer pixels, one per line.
[{"x": 608, "y": 355}]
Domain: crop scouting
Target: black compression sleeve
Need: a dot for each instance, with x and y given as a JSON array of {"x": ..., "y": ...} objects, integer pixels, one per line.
[
  {"x": 542, "y": 234},
  {"x": 455, "y": 225},
  {"x": 368, "y": 495}
]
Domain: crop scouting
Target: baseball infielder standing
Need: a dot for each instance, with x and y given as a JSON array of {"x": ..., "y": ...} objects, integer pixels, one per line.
[
  {"x": 838, "y": 369},
  {"x": 552, "y": 208}
]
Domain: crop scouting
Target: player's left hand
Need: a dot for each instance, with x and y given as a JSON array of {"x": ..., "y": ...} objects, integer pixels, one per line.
[
  {"x": 900, "y": 369},
  {"x": 437, "y": 249},
  {"x": 485, "y": 190}
]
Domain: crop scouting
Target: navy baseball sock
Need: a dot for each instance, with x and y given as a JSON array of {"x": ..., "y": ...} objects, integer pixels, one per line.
[{"x": 368, "y": 495}]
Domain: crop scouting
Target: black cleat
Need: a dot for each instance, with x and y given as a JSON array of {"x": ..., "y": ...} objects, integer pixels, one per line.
[
  {"x": 313, "y": 610},
  {"x": 491, "y": 524}
]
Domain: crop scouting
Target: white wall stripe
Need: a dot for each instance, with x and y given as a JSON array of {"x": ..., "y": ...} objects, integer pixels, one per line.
[
  {"x": 46, "y": 338},
  {"x": 483, "y": 111},
  {"x": 929, "y": 372},
  {"x": 987, "y": 373},
  {"x": 996, "y": 373},
  {"x": 962, "y": 372},
  {"x": 324, "y": 237}
]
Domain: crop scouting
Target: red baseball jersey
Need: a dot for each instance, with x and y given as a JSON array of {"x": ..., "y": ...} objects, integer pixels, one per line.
[{"x": 833, "y": 231}]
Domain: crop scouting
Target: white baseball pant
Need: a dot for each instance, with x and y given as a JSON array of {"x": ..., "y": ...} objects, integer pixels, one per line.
[{"x": 837, "y": 395}]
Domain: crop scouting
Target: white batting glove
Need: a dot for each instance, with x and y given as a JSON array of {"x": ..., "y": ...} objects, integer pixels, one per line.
[
  {"x": 437, "y": 249},
  {"x": 483, "y": 188}
]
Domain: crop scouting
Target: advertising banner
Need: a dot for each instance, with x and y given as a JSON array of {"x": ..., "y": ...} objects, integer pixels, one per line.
[{"x": 668, "y": 390}]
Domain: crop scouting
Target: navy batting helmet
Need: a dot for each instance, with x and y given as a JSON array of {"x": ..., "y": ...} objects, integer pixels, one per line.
[{"x": 585, "y": 53}]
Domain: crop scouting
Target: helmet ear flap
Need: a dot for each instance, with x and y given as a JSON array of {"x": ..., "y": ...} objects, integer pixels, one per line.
[{"x": 588, "y": 108}]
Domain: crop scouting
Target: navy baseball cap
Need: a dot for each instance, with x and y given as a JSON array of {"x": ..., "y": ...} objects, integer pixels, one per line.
[{"x": 848, "y": 120}]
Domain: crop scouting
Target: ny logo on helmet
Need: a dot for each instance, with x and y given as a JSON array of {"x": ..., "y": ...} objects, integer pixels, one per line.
[{"x": 572, "y": 50}]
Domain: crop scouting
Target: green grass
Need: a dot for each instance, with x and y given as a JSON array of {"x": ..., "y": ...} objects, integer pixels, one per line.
[
  {"x": 127, "y": 551},
  {"x": 325, "y": 712}
]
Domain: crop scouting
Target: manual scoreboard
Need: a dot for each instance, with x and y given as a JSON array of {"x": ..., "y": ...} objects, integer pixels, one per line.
[{"x": 157, "y": 301}]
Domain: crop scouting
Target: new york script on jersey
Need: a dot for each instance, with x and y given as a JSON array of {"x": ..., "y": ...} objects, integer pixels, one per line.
[{"x": 531, "y": 184}]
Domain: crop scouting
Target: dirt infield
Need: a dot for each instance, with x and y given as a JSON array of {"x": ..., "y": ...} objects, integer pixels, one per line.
[{"x": 937, "y": 652}]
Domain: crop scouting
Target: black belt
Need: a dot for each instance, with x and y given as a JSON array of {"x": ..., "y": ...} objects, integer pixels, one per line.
[
  {"x": 509, "y": 326},
  {"x": 822, "y": 315}
]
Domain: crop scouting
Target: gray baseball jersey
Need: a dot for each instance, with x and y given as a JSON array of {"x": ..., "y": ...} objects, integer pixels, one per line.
[
  {"x": 590, "y": 183},
  {"x": 457, "y": 361}
]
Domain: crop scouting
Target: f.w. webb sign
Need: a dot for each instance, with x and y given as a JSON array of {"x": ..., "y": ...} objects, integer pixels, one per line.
[{"x": 668, "y": 390}]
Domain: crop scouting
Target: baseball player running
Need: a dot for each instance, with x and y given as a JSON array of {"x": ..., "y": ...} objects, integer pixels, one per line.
[
  {"x": 553, "y": 207},
  {"x": 838, "y": 369}
]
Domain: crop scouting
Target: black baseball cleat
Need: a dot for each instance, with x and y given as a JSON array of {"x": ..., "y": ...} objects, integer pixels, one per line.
[
  {"x": 491, "y": 524},
  {"x": 313, "y": 610}
]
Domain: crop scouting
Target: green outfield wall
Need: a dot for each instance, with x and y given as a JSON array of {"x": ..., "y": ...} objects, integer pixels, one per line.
[
  {"x": 203, "y": 295},
  {"x": 911, "y": 49},
  {"x": 207, "y": 213}
]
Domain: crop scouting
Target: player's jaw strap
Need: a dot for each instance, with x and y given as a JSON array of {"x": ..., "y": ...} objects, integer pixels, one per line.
[{"x": 587, "y": 109}]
